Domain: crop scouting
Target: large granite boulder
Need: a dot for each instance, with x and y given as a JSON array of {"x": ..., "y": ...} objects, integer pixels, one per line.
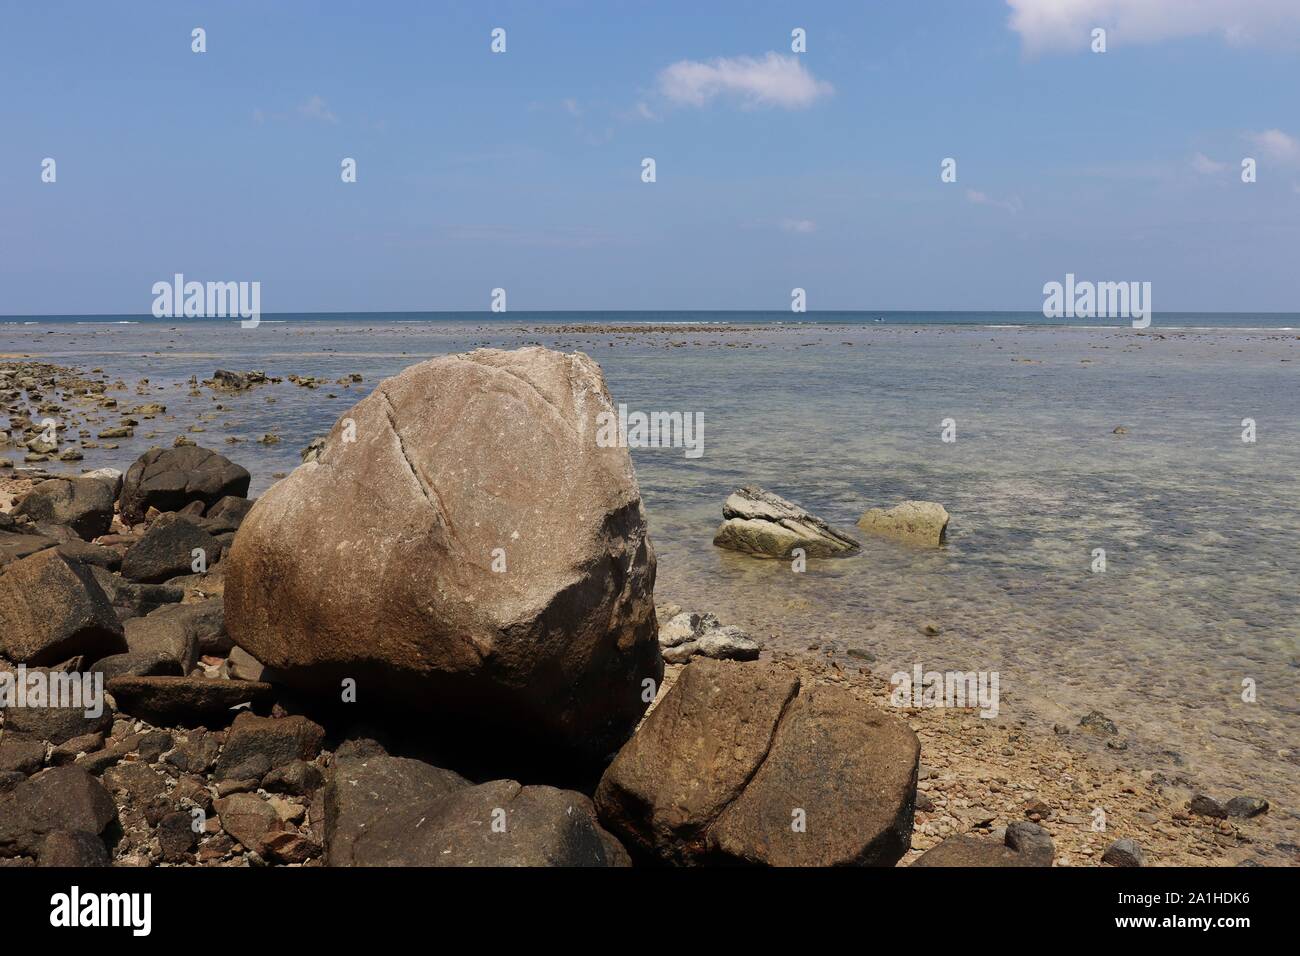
[
  {"x": 739, "y": 763},
  {"x": 170, "y": 478},
  {"x": 52, "y": 609},
  {"x": 463, "y": 544},
  {"x": 83, "y": 504},
  {"x": 922, "y": 523},
  {"x": 761, "y": 523}
]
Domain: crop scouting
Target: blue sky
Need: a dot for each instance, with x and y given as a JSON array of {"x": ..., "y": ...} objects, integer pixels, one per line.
[{"x": 522, "y": 170}]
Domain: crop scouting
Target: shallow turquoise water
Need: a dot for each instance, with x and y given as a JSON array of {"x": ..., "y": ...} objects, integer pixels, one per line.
[{"x": 1200, "y": 529}]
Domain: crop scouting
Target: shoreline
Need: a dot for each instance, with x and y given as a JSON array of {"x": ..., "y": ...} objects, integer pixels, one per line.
[{"x": 980, "y": 775}]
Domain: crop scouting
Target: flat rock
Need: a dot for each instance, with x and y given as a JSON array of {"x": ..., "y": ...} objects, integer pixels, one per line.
[
  {"x": 52, "y": 609},
  {"x": 186, "y": 701},
  {"x": 922, "y": 523},
  {"x": 761, "y": 523},
  {"x": 499, "y": 823},
  {"x": 143, "y": 664}
]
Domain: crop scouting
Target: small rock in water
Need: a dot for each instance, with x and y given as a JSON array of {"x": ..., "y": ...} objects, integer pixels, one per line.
[
  {"x": 1124, "y": 852},
  {"x": 759, "y": 522},
  {"x": 916, "y": 522},
  {"x": 688, "y": 634}
]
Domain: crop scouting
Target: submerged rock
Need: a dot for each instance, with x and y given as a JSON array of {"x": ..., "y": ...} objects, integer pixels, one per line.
[
  {"x": 463, "y": 545},
  {"x": 762, "y": 523},
  {"x": 917, "y": 522}
]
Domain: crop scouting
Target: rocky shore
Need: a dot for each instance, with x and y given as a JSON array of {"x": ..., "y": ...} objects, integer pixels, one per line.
[{"x": 315, "y": 678}]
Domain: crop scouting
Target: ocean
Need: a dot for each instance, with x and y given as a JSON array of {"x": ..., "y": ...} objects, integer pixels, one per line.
[{"x": 840, "y": 412}]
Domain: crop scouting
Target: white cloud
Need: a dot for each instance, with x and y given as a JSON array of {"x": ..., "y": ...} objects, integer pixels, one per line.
[
  {"x": 316, "y": 109},
  {"x": 1012, "y": 205},
  {"x": 803, "y": 226},
  {"x": 1046, "y": 25},
  {"x": 1203, "y": 164},
  {"x": 772, "y": 80},
  {"x": 1277, "y": 145}
]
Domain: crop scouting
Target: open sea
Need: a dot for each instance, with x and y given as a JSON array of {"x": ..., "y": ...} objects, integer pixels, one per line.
[{"x": 844, "y": 411}]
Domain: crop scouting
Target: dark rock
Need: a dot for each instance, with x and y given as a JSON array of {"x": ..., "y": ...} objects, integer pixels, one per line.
[
  {"x": 52, "y": 609},
  {"x": 72, "y": 848},
  {"x": 167, "y": 550},
  {"x": 362, "y": 789},
  {"x": 498, "y": 823},
  {"x": 82, "y": 504},
  {"x": 15, "y": 547},
  {"x": 169, "y": 479},
  {"x": 24, "y": 756},
  {"x": 140, "y": 598},
  {"x": 153, "y": 745},
  {"x": 248, "y": 818},
  {"x": 289, "y": 846},
  {"x": 1095, "y": 722},
  {"x": 1247, "y": 806},
  {"x": 280, "y": 740},
  {"x": 57, "y": 724},
  {"x": 71, "y": 749},
  {"x": 61, "y": 798},
  {"x": 226, "y": 515},
  {"x": 296, "y": 777},
  {"x": 184, "y": 701},
  {"x": 1206, "y": 806},
  {"x": 176, "y": 836},
  {"x": 1124, "y": 852},
  {"x": 183, "y": 632},
  {"x": 145, "y": 664},
  {"x": 91, "y": 554},
  {"x": 1024, "y": 844},
  {"x": 196, "y": 754}
]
